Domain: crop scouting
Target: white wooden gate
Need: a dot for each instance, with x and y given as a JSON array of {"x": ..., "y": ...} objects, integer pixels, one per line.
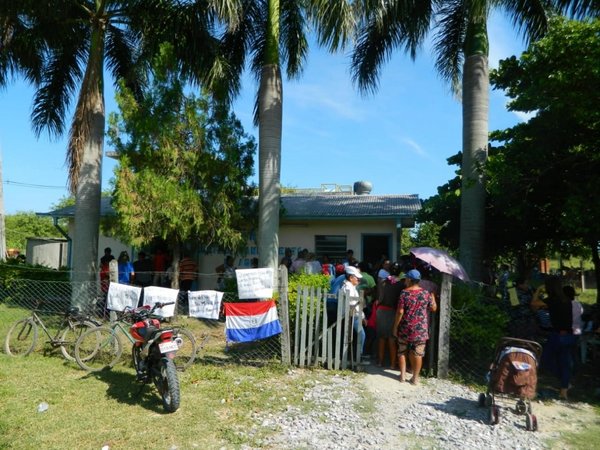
[{"x": 334, "y": 346}]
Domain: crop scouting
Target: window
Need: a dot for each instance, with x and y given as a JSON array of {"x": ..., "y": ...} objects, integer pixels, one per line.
[{"x": 332, "y": 246}]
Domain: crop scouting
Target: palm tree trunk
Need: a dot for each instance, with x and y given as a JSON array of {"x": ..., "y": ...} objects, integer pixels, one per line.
[
  {"x": 87, "y": 141},
  {"x": 475, "y": 145},
  {"x": 269, "y": 150},
  {"x": 270, "y": 107}
]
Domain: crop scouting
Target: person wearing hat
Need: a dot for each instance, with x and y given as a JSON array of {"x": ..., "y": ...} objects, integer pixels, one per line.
[
  {"x": 353, "y": 278},
  {"x": 411, "y": 326}
]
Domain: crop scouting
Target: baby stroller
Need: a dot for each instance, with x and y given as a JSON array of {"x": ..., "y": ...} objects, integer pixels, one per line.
[{"x": 513, "y": 373}]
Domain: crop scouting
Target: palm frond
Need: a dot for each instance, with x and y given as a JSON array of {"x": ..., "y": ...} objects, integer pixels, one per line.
[
  {"x": 391, "y": 25},
  {"x": 58, "y": 84},
  {"x": 529, "y": 17},
  {"x": 293, "y": 43},
  {"x": 449, "y": 40},
  {"x": 122, "y": 52},
  {"x": 334, "y": 21},
  {"x": 577, "y": 8},
  {"x": 235, "y": 44}
]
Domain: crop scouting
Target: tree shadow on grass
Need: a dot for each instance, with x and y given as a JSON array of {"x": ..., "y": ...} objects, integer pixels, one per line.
[{"x": 123, "y": 387}]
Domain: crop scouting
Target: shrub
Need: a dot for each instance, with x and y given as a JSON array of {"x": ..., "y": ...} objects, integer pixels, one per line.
[{"x": 476, "y": 325}]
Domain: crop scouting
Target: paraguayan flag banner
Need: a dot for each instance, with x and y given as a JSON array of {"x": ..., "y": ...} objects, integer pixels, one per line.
[{"x": 246, "y": 322}]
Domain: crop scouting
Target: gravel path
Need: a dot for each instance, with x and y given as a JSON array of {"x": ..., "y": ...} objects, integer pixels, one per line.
[{"x": 375, "y": 411}]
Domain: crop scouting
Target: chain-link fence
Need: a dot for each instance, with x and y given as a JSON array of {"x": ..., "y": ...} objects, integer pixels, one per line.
[
  {"x": 478, "y": 321},
  {"x": 51, "y": 299}
]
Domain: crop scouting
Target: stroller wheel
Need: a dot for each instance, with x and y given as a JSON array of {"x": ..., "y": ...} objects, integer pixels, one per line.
[
  {"x": 531, "y": 422},
  {"x": 481, "y": 400},
  {"x": 521, "y": 407},
  {"x": 494, "y": 415}
]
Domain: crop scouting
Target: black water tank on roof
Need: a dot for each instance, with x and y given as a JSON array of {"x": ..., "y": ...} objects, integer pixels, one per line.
[{"x": 363, "y": 187}]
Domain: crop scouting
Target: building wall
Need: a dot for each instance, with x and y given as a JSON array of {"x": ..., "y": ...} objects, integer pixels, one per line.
[
  {"x": 52, "y": 253},
  {"x": 300, "y": 235}
]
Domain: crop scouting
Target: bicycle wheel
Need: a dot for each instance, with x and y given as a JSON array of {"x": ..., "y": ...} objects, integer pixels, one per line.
[
  {"x": 187, "y": 350},
  {"x": 97, "y": 349},
  {"x": 69, "y": 337},
  {"x": 21, "y": 338}
]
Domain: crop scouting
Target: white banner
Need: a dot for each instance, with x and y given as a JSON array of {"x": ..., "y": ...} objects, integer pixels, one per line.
[
  {"x": 254, "y": 283},
  {"x": 121, "y": 296},
  {"x": 205, "y": 304},
  {"x": 156, "y": 294}
]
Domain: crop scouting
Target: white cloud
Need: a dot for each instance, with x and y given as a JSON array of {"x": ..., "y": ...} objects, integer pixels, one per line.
[
  {"x": 524, "y": 116},
  {"x": 340, "y": 101}
]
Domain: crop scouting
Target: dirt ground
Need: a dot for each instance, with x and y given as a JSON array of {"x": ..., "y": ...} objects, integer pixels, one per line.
[{"x": 553, "y": 415}]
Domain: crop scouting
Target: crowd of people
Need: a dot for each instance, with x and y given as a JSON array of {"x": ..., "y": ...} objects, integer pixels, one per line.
[
  {"x": 145, "y": 271},
  {"x": 399, "y": 300},
  {"x": 550, "y": 314}
]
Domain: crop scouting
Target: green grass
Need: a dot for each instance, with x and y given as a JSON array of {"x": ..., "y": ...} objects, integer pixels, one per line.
[
  {"x": 587, "y": 438},
  {"x": 91, "y": 410}
]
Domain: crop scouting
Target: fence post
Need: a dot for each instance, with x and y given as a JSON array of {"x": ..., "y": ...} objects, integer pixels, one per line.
[
  {"x": 285, "y": 313},
  {"x": 444, "y": 336}
]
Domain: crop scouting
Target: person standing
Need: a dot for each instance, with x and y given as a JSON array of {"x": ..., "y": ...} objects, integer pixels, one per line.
[
  {"x": 558, "y": 351},
  {"x": 188, "y": 271},
  {"x": 386, "y": 314},
  {"x": 411, "y": 326},
  {"x": 126, "y": 271},
  {"x": 225, "y": 271},
  {"x": 143, "y": 270},
  {"x": 159, "y": 266},
  {"x": 349, "y": 287}
]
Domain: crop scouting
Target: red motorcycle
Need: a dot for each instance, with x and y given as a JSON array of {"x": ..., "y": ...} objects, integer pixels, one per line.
[{"x": 154, "y": 352}]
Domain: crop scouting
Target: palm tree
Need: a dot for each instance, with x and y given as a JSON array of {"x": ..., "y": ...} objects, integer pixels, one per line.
[
  {"x": 272, "y": 33},
  {"x": 461, "y": 47},
  {"x": 75, "y": 39}
]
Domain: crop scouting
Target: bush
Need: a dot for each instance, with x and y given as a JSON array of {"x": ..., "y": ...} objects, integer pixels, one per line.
[
  {"x": 476, "y": 325},
  {"x": 304, "y": 280}
]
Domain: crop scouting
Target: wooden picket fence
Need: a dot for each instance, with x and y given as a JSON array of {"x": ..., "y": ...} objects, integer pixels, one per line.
[{"x": 317, "y": 344}]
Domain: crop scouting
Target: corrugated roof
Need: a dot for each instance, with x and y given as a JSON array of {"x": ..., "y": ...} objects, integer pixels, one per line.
[
  {"x": 350, "y": 206},
  {"x": 316, "y": 206}
]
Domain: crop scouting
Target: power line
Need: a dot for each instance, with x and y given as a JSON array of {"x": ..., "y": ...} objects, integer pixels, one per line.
[{"x": 30, "y": 185}]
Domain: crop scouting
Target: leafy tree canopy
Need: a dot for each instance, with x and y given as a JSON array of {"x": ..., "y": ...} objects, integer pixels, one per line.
[
  {"x": 23, "y": 225},
  {"x": 543, "y": 173},
  {"x": 184, "y": 165}
]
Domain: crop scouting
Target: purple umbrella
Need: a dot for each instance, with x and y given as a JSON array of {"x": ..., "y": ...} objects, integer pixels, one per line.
[{"x": 441, "y": 260}]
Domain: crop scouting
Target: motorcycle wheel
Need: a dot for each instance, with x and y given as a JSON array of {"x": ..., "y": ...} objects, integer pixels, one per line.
[{"x": 166, "y": 381}]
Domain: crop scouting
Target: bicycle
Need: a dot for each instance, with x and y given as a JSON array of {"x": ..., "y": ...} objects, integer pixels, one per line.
[
  {"x": 100, "y": 347},
  {"x": 23, "y": 334}
]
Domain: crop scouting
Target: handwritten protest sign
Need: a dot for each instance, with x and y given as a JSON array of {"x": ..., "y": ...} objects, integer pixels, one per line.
[
  {"x": 156, "y": 294},
  {"x": 205, "y": 304},
  {"x": 121, "y": 296},
  {"x": 254, "y": 283}
]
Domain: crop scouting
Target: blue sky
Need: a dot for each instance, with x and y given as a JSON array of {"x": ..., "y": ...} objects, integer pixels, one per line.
[{"x": 398, "y": 138}]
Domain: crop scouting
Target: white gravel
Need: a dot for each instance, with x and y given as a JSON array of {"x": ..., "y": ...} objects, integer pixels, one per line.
[{"x": 375, "y": 411}]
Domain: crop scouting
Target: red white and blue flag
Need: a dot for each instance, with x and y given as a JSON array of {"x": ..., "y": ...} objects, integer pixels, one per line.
[{"x": 246, "y": 322}]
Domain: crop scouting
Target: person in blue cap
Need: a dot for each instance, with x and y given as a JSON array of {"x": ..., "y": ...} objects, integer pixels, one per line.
[{"x": 411, "y": 326}]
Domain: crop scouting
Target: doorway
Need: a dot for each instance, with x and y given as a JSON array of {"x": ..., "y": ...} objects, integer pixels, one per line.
[{"x": 375, "y": 245}]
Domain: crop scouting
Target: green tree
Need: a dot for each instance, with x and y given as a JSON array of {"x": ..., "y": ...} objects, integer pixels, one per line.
[
  {"x": 184, "y": 165},
  {"x": 544, "y": 173},
  {"x": 24, "y": 224},
  {"x": 461, "y": 47},
  {"x": 273, "y": 33},
  {"x": 78, "y": 37}
]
